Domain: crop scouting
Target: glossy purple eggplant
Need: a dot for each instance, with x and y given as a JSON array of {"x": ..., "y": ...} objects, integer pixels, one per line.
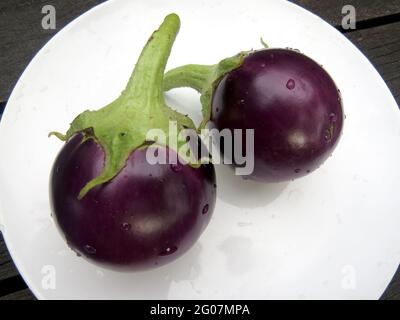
[
  {"x": 292, "y": 104},
  {"x": 145, "y": 217},
  {"x": 111, "y": 202},
  {"x": 289, "y": 100}
]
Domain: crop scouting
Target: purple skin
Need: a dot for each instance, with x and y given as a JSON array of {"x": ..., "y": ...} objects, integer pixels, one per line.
[
  {"x": 292, "y": 104},
  {"x": 146, "y": 216}
]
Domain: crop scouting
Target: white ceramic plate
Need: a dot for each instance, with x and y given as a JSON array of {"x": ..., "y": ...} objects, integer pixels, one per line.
[{"x": 333, "y": 234}]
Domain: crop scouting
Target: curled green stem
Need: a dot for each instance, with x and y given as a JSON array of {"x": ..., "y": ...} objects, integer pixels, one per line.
[
  {"x": 203, "y": 79},
  {"x": 122, "y": 126}
]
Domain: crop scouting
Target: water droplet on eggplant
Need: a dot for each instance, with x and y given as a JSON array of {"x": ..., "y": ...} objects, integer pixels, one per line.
[
  {"x": 169, "y": 250},
  {"x": 291, "y": 84},
  {"x": 126, "y": 226},
  {"x": 205, "y": 209},
  {"x": 89, "y": 249},
  {"x": 328, "y": 135},
  {"x": 176, "y": 167}
]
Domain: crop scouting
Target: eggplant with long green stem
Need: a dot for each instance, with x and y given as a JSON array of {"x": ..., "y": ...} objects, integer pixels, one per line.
[
  {"x": 111, "y": 204},
  {"x": 288, "y": 99}
]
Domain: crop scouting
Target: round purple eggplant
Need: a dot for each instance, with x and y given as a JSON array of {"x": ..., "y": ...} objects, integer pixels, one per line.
[
  {"x": 289, "y": 100},
  {"x": 111, "y": 203},
  {"x": 144, "y": 217}
]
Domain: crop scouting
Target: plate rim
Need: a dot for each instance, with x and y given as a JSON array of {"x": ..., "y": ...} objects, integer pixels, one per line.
[{"x": 19, "y": 265}]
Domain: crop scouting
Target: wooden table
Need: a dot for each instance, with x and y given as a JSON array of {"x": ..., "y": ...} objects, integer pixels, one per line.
[{"x": 377, "y": 34}]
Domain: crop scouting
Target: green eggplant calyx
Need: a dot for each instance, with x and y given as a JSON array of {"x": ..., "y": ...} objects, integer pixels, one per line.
[
  {"x": 122, "y": 126},
  {"x": 204, "y": 79}
]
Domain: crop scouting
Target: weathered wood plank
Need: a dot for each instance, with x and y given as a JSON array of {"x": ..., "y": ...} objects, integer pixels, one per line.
[
  {"x": 392, "y": 292},
  {"x": 382, "y": 46},
  {"x": 11, "y": 285},
  {"x": 19, "y": 295},
  {"x": 331, "y": 11},
  {"x": 7, "y": 268},
  {"x": 8, "y": 271},
  {"x": 22, "y": 35},
  {"x": 2, "y": 106}
]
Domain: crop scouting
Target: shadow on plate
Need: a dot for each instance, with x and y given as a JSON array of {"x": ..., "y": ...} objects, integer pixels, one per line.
[
  {"x": 243, "y": 193},
  {"x": 156, "y": 284}
]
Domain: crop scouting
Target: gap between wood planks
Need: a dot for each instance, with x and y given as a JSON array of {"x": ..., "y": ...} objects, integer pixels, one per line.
[
  {"x": 2, "y": 106},
  {"x": 372, "y": 23},
  {"x": 11, "y": 285}
]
